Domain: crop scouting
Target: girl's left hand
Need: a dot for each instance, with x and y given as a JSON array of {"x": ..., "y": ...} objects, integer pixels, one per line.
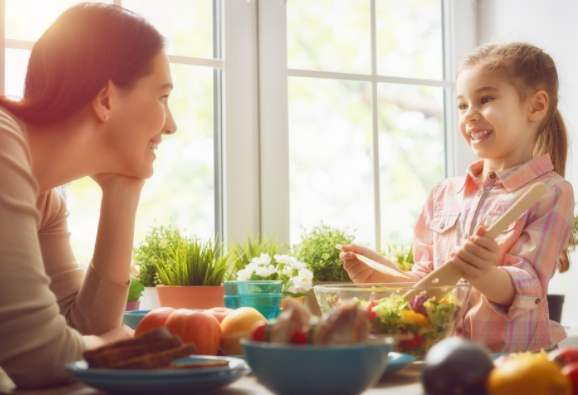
[{"x": 477, "y": 256}]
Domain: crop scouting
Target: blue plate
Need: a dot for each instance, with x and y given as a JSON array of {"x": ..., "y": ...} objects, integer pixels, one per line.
[
  {"x": 397, "y": 361},
  {"x": 161, "y": 381},
  {"x": 133, "y": 317}
]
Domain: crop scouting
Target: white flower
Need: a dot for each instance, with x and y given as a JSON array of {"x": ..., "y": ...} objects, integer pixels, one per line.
[
  {"x": 265, "y": 271},
  {"x": 285, "y": 259},
  {"x": 298, "y": 264},
  {"x": 287, "y": 270},
  {"x": 264, "y": 259},
  {"x": 304, "y": 280},
  {"x": 244, "y": 274}
]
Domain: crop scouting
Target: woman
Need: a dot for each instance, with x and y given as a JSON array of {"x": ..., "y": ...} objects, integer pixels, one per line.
[{"x": 95, "y": 104}]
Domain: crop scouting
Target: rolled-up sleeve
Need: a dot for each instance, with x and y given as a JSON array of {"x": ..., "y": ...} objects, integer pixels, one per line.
[{"x": 532, "y": 260}]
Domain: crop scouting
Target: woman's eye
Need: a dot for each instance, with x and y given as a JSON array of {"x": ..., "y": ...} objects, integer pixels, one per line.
[
  {"x": 486, "y": 100},
  {"x": 164, "y": 99}
]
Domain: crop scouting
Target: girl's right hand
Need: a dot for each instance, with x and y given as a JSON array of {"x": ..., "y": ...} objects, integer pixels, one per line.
[{"x": 358, "y": 271}]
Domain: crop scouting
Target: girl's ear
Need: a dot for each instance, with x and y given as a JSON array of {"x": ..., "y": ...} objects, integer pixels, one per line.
[
  {"x": 539, "y": 103},
  {"x": 101, "y": 104}
]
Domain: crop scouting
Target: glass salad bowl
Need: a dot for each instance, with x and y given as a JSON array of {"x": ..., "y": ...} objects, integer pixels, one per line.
[{"x": 426, "y": 319}]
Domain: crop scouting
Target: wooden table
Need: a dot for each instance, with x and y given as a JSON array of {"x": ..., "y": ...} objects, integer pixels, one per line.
[{"x": 404, "y": 382}]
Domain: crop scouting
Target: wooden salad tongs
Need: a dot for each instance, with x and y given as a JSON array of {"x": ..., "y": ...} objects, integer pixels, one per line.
[
  {"x": 378, "y": 266},
  {"x": 447, "y": 275}
]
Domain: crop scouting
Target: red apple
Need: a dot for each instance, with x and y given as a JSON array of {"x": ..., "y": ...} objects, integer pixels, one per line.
[
  {"x": 219, "y": 312},
  {"x": 571, "y": 371},
  {"x": 153, "y": 319},
  {"x": 197, "y": 327},
  {"x": 564, "y": 355}
]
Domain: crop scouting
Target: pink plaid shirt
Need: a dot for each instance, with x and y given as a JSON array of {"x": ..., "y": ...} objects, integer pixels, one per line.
[{"x": 529, "y": 248}]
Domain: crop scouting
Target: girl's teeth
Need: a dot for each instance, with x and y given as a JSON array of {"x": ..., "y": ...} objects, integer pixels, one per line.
[{"x": 479, "y": 135}]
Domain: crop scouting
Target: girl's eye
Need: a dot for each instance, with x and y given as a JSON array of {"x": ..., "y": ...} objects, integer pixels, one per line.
[
  {"x": 462, "y": 106},
  {"x": 486, "y": 99}
]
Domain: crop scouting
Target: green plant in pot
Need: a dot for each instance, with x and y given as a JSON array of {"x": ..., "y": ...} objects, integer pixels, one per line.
[
  {"x": 253, "y": 247},
  {"x": 317, "y": 249},
  {"x": 191, "y": 273},
  {"x": 156, "y": 244},
  {"x": 135, "y": 291}
]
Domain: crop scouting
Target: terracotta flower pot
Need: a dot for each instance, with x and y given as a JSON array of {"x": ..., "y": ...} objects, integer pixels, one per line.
[
  {"x": 191, "y": 297},
  {"x": 130, "y": 306}
]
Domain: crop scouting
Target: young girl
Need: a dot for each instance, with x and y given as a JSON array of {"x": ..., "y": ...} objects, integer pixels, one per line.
[
  {"x": 95, "y": 104},
  {"x": 507, "y": 97}
]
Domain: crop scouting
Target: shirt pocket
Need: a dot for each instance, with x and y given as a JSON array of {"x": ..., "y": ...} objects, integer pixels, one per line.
[
  {"x": 493, "y": 215},
  {"x": 444, "y": 221}
]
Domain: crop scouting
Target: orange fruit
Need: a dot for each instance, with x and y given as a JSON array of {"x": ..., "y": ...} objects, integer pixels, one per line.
[
  {"x": 239, "y": 322},
  {"x": 528, "y": 374}
]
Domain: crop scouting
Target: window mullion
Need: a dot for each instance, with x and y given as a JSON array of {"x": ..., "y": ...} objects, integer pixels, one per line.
[{"x": 375, "y": 130}]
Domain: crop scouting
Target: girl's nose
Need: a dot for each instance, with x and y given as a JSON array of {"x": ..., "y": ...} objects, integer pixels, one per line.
[{"x": 471, "y": 114}]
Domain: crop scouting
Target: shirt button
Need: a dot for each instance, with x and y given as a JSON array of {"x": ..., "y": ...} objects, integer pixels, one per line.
[
  {"x": 537, "y": 301},
  {"x": 492, "y": 175},
  {"x": 442, "y": 226},
  {"x": 480, "y": 193}
]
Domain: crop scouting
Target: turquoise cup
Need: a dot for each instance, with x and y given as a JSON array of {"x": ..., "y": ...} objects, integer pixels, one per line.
[
  {"x": 231, "y": 297},
  {"x": 267, "y": 304},
  {"x": 259, "y": 287}
]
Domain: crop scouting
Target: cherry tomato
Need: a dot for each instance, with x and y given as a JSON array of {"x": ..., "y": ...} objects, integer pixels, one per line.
[
  {"x": 259, "y": 332},
  {"x": 299, "y": 337},
  {"x": 371, "y": 315},
  {"x": 413, "y": 343}
]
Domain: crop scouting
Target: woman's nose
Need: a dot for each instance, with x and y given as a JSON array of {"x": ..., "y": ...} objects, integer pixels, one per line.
[{"x": 170, "y": 124}]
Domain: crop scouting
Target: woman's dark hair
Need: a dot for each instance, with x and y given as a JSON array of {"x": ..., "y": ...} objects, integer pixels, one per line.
[{"x": 88, "y": 45}]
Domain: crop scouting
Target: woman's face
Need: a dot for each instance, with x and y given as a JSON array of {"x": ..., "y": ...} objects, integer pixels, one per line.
[{"x": 139, "y": 118}]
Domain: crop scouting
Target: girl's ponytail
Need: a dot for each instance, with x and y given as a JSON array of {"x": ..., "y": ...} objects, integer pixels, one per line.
[{"x": 554, "y": 141}]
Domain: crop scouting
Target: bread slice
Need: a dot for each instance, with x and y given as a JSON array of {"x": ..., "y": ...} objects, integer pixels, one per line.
[
  {"x": 111, "y": 356},
  {"x": 146, "y": 338},
  {"x": 157, "y": 359}
]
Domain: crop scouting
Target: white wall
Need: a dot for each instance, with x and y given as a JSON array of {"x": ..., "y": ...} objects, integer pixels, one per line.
[{"x": 551, "y": 25}]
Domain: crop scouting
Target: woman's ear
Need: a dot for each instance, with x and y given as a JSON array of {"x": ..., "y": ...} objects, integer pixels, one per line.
[
  {"x": 102, "y": 102},
  {"x": 539, "y": 103}
]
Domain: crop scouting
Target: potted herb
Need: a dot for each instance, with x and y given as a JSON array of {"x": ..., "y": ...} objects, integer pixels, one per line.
[
  {"x": 190, "y": 274},
  {"x": 135, "y": 292},
  {"x": 317, "y": 249},
  {"x": 155, "y": 244}
]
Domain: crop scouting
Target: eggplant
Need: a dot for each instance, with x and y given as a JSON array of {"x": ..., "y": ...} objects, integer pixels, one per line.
[{"x": 456, "y": 366}]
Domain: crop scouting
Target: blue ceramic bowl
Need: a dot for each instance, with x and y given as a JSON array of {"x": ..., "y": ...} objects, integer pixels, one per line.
[
  {"x": 316, "y": 370},
  {"x": 132, "y": 318}
]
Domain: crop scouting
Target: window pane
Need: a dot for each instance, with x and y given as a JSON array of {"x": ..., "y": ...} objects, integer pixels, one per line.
[
  {"x": 28, "y": 19},
  {"x": 181, "y": 190},
  {"x": 331, "y": 175},
  {"x": 329, "y": 35},
  {"x": 409, "y": 38},
  {"x": 16, "y": 65},
  {"x": 187, "y": 25},
  {"x": 411, "y": 155}
]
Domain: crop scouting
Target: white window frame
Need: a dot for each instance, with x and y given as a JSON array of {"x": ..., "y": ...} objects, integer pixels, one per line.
[{"x": 459, "y": 26}]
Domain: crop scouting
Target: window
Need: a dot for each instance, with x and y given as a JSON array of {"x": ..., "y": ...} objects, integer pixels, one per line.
[
  {"x": 366, "y": 87},
  {"x": 289, "y": 113},
  {"x": 187, "y": 187}
]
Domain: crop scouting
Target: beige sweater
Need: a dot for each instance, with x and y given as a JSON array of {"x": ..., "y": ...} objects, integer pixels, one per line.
[{"x": 44, "y": 293}]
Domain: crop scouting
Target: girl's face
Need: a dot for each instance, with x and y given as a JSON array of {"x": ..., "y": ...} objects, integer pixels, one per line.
[
  {"x": 493, "y": 120},
  {"x": 140, "y": 118}
]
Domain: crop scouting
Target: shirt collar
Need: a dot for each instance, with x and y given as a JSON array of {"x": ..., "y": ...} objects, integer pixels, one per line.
[{"x": 514, "y": 177}]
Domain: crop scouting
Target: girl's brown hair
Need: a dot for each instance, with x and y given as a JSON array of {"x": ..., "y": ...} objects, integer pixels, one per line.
[
  {"x": 87, "y": 46},
  {"x": 530, "y": 69}
]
